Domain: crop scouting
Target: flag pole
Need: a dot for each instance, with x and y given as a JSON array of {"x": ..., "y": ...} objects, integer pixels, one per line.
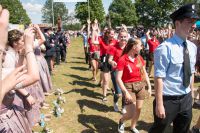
[
  {"x": 52, "y": 12},
  {"x": 89, "y": 9}
]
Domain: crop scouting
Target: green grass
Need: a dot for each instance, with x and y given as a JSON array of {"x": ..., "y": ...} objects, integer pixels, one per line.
[{"x": 84, "y": 110}]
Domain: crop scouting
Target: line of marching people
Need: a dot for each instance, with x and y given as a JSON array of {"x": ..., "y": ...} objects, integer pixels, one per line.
[
  {"x": 128, "y": 59},
  {"x": 119, "y": 59},
  {"x": 25, "y": 77}
]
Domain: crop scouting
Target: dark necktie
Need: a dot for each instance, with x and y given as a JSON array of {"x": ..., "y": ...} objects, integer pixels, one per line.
[{"x": 186, "y": 66}]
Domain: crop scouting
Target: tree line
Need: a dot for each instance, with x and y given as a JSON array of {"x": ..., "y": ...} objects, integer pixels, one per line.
[
  {"x": 150, "y": 13},
  {"x": 18, "y": 14}
]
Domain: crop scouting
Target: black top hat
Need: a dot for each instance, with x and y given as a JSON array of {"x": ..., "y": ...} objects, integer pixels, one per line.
[{"x": 186, "y": 11}]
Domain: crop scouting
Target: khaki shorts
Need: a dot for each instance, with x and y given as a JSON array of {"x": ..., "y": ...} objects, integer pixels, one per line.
[{"x": 136, "y": 90}]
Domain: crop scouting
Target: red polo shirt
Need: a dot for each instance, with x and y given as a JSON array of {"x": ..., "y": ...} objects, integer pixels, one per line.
[
  {"x": 116, "y": 52},
  {"x": 131, "y": 70},
  {"x": 93, "y": 47},
  {"x": 153, "y": 45},
  {"x": 104, "y": 48}
]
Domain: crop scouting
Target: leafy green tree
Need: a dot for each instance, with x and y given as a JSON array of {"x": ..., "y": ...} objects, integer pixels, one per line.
[
  {"x": 96, "y": 11},
  {"x": 17, "y": 14},
  {"x": 155, "y": 13},
  {"x": 122, "y": 12},
  {"x": 74, "y": 26},
  {"x": 59, "y": 9}
]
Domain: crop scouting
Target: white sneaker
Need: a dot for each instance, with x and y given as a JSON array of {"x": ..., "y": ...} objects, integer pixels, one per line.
[
  {"x": 116, "y": 107},
  {"x": 134, "y": 130},
  {"x": 121, "y": 127},
  {"x": 104, "y": 100},
  {"x": 123, "y": 110}
]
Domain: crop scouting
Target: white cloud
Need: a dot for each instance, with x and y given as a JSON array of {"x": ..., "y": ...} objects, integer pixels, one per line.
[
  {"x": 32, "y": 8},
  {"x": 34, "y": 11}
]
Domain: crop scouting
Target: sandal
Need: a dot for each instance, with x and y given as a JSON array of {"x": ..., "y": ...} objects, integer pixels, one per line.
[{"x": 94, "y": 79}]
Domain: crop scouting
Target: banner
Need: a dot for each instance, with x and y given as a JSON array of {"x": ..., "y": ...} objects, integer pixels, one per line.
[{"x": 70, "y": 0}]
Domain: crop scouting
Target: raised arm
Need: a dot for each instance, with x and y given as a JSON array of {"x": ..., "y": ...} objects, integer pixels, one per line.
[
  {"x": 83, "y": 27},
  {"x": 41, "y": 38},
  {"x": 147, "y": 35},
  {"x": 88, "y": 28},
  {"x": 32, "y": 74}
]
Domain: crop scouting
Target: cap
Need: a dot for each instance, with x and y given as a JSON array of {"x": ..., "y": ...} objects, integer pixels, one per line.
[{"x": 186, "y": 11}]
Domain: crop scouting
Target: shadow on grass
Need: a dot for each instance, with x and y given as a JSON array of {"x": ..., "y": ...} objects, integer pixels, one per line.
[
  {"x": 86, "y": 92},
  {"x": 93, "y": 105},
  {"x": 77, "y": 77},
  {"x": 80, "y": 68},
  {"x": 97, "y": 124},
  {"x": 77, "y": 62},
  {"x": 142, "y": 125},
  {"x": 78, "y": 58},
  {"x": 196, "y": 106},
  {"x": 83, "y": 83}
]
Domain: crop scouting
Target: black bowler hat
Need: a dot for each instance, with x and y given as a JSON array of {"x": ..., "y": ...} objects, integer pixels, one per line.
[{"x": 186, "y": 11}]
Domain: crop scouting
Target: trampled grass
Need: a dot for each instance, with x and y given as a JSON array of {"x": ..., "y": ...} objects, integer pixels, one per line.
[{"x": 84, "y": 110}]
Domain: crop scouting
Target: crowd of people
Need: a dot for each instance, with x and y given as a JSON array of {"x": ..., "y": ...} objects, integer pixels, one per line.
[
  {"x": 127, "y": 58},
  {"x": 27, "y": 63},
  {"x": 124, "y": 57}
]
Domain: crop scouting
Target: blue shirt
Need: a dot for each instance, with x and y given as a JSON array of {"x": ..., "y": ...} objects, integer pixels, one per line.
[
  {"x": 85, "y": 39},
  {"x": 144, "y": 42},
  {"x": 168, "y": 64}
]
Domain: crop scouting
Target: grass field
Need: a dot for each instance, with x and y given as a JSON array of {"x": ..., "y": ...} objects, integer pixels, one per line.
[{"x": 84, "y": 110}]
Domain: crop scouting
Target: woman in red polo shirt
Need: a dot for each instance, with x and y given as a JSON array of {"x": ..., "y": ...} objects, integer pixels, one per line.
[
  {"x": 130, "y": 73},
  {"x": 105, "y": 43},
  {"x": 94, "y": 49},
  {"x": 115, "y": 53},
  {"x": 153, "y": 44},
  {"x": 95, "y": 55}
]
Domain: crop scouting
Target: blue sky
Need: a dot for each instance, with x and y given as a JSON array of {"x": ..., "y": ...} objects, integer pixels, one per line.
[{"x": 33, "y": 8}]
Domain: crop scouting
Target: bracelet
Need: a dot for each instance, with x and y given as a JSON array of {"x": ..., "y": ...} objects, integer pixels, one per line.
[
  {"x": 18, "y": 86},
  {"x": 28, "y": 52},
  {"x": 27, "y": 95}
]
